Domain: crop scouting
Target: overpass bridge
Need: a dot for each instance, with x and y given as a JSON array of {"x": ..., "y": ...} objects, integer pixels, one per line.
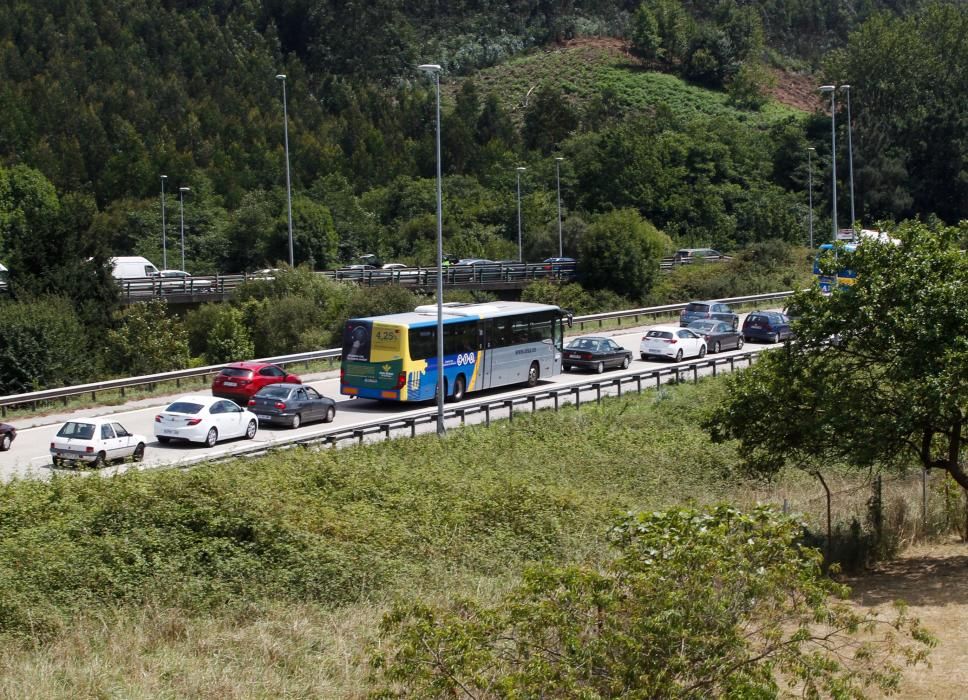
[{"x": 496, "y": 277}]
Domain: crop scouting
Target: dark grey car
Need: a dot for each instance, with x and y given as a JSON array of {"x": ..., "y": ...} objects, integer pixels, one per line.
[
  {"x": 291, "y": 404},
  {"x": 708, "y": 310}
]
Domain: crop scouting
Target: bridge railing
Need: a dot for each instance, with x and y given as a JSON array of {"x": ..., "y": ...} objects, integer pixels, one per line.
[{"x": 331, "y": 355}]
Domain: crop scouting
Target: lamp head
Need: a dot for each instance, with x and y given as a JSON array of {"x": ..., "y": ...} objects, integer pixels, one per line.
[
  {"x": 164, "y": 177},
  {"x": 811, "y": 148},
  {"x": 430, "y": 68},
  {"x": 827, "y": 88},
  {"x": 281, "y": 76},
  {"x": 520, "y": 168},
  {"x": 559, "y": 158},
  {"x": 184, "y": 189},
  {"x": 845, "y": 87}
]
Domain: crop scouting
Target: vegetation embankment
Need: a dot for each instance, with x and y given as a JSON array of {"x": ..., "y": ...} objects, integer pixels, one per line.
[{"x": 260, "y": 556}]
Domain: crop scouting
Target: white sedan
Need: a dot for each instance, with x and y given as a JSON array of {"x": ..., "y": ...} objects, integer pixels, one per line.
[
  {"x": 95, "y": 440},
  {"x": 206, "y": 419},
  {"x": 672, "y": 342}
]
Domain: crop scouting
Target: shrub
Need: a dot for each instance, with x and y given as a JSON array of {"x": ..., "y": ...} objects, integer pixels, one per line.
[{"x": 146, "y": 340}]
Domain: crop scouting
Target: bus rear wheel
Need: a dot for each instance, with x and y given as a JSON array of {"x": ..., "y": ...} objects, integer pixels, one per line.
[
  {"x": 534, "y": 373},
  {"x": 460, "y": 387}
]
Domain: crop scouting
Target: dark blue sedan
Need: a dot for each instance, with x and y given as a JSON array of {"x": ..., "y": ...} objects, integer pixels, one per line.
[{"x": 291, "y": 404}]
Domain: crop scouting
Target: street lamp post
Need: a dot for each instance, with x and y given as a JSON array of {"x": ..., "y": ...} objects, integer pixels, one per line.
[
  {"x": 181, "y": 206},
  {"x": 164, "y": 234},
  {"x": 520, "y": 169},
  {"x": 433, "y": 70},
  {"x": 833, "y": 152},
  {"x": 810, "y": 152},
  {"x": 850, "y": 156},
  {"x": 558, "y": 182},
  {"x": 285, "y": 131}
]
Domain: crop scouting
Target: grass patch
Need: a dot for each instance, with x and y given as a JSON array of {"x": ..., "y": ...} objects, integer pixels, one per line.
[{"x": 266, "y": 577}]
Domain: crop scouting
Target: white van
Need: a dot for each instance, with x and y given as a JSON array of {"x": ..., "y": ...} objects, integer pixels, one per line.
[{"x": 132, "y": 266}]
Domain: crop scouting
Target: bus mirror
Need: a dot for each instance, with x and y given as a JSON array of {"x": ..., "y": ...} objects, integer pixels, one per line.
[{"x": 569, "y": 318}]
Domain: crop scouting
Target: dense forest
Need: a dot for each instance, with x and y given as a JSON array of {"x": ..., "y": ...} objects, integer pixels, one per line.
[{"x": 672, "y": 121}]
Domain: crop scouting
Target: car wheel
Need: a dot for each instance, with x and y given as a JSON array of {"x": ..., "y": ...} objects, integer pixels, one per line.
[
  {"x": 296, "y": 421},
  {"x": 534, "y": 373},
  {"x": 5, "y": 443},
  {"x": 330, "y": 414},
  {"x": 702, "y": 351},
  {"x": 139, "y": 452},
  {"x": 717, "y": 347},
  {"x": 459, "y": 387},
  {"x": 644, "y": 357},
  {"x": 626, "y": 361},
  {"x": 56, "y": 461},
  {"x": 600, "y": 367},
  {"x": 679, "y": 356},
  {"x": 163, "y": 440},
  {"x": 739, "y": 343},
  {"x": 212, "y": 437},
  {"x": 99, "y": 460},
  {"x": 251, "y": 430},
  {"x": 566, "y": 368}
]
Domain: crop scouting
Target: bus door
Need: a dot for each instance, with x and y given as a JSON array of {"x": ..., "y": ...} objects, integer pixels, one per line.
[
  {"x": 484, "y": 353},
  {"x": 558, "y": 338}
]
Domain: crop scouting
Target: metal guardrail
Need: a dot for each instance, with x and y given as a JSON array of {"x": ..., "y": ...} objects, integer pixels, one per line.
[
  {"x": 331, "y": 355},
  {"x": 571, "y": 394}
]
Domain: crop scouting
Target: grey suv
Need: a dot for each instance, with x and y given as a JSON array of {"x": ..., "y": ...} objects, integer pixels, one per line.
[{"x": 704, "y": 310}]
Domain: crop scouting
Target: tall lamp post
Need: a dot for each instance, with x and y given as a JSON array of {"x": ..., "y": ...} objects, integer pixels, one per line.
[
  {"x": 850, "y": 156},
  {"x": 558, "y": 182},
  {"x": 433, "y": 70},
  {"x": 164, "y": 233},
  {"x": 181, "y": 206},
  {"x": 810, "y": 152},
  {"x": 285, "y": 131},
  {"x": 520, "y": 169},
  {"x": 833, "y": 152}
]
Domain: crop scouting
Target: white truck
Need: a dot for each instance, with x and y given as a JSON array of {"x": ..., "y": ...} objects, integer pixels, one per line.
[{"x": 132, "y": 267}]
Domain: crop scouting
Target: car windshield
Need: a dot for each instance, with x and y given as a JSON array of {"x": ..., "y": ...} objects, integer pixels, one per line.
[
  {"x": 658, "y": 334},
  {"x": 274, "y": 391},
  {"x": 184, "y": 407},
  {"x": 78, "y": 431},
  {"x": 698, "y": 307},
  {"x": 236, "y": 372}
]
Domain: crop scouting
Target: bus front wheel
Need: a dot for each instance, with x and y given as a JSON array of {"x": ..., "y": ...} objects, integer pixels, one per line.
[{"x": 534, "y": 372}]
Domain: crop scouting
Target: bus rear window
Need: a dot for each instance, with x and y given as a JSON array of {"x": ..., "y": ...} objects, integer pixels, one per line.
[{"x": 356, "y": 340}]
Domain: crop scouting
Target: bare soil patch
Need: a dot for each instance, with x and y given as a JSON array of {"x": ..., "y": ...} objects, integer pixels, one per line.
[{"x": 931, "y": 580}]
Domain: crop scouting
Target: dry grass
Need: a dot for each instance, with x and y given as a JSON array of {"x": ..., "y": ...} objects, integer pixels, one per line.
[{"x": 930, "y": 579}]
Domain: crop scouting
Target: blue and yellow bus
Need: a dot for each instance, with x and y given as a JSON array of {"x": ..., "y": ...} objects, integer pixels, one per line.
[{"x": 394, "y": 357}]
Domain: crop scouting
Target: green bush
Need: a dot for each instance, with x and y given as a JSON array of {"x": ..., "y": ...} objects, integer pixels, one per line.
[
  {"x": 620, "y": 251},
  {"x": 146, "y": 340},
  {"x": 42, "y": 346}
]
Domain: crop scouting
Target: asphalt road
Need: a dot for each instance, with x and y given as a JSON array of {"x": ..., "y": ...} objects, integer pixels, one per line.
[{"x": 29, "y": 456}]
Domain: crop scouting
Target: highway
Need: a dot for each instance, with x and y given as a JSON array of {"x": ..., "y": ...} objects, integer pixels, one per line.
[{"x": 29, "y": 456}]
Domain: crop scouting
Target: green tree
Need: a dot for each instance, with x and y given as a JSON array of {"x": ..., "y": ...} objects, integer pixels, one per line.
[
  {"x": 43, "y": 345},
  {"x": 549, "y": 119},
  {"x": 693, "y": 604},
  {"x": 621, "y": 251},
  {"x": 146, "y": 340},
  {"x": 877, "y": 375}
]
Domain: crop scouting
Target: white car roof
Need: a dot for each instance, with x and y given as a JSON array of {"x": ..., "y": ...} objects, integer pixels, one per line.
[
  {"x": 93, "y": 421},
  {"x": 203, "y": 399},
  {"x": 667, "y": 329}
]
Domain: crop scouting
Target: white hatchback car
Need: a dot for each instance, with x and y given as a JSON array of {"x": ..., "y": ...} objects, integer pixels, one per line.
[
  {"x": 95, "y": 440},
  {"x": 673, "y": 342},
  {"x": 205, "y": 419}
]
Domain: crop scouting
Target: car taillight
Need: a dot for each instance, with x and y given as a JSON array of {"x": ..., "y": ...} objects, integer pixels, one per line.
[
  {"x": 193, "y": 421},
  {"x": 672, "y": 341},
  {"x": 281, "y": 405},
  {"x": 51, "y": 445},
  {"x": 157, "y": 419},
  {"x": 401, "y": 380},
  {"x": 342, "y": 375},
  {"x": 251, "y": 402},
  {"x": 547, "y": 267},
  {"x": 586, "y": 356},
  {"x": 89, "y": 449}
]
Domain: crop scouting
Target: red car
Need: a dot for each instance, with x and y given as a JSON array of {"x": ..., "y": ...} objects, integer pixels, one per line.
[{"x": 239, "y": 381}]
